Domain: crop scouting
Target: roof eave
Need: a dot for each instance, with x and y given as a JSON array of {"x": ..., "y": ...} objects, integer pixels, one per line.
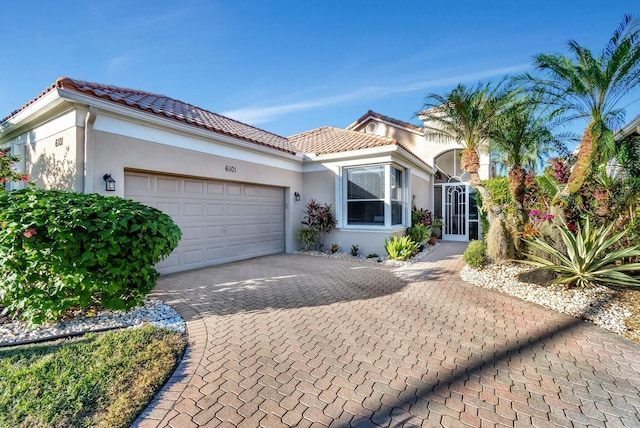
[
  {"x": 374, "y": 151},
  {"x": 186, "y": 127},
  {"x": 632, "y": 128},
  {"x": 381, "y": 118},
  {"x": 39, "y": 108}
]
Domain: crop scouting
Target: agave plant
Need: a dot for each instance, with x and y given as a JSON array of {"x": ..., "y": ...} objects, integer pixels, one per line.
[{"x": 588, "y": 261}]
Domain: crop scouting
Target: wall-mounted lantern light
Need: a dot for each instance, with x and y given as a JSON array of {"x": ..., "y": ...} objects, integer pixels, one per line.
[
  {"x": 297, "y": 195},
  {"x": 109, "y": 183}
]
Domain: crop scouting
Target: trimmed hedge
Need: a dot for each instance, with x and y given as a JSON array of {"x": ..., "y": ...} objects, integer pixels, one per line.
[
  {"x": 476, "y": 254},
  {"x": 64, "y": 250}
]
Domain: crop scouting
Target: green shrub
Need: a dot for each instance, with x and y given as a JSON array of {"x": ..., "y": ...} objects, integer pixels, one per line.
[
  {"x": 420, "y": 233},
  {"x": 589, "y": 259},
  {"x": 354, "y": 250},
  {"x": 400, "y": 248},
  {"x": 475, "y": 255},
  {"x": 62, "y": 250},
  {"x": 498, "y": 188},
  {"x": 307, "y": 237},
  {"x": 484, "y": 220}
]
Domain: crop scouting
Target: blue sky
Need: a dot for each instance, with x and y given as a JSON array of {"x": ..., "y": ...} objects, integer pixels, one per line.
[{"x": 290, "y": 66}]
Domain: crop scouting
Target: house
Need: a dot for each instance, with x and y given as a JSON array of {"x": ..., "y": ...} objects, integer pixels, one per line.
[
  {"x": 236, "y": 191},
  {"x": 632, "y": 129}
]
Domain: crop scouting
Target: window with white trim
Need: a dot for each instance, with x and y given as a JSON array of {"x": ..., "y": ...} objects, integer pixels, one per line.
[{"x": 375, "y": 195}]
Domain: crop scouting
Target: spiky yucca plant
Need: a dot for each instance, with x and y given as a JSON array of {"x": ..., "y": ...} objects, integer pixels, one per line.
[{"x": 588, "y": 261}]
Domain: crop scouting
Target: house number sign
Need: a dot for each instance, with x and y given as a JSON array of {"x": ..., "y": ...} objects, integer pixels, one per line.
[
  {"x": 231, "y": 169},
  {"x": 59, "y": 142}
]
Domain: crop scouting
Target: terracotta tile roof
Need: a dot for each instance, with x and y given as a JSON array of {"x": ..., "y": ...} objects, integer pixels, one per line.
[
  {"x": 328, "y": 140},
  {"x": 372, "y": 113},
  {"x": 164, "y": 106}
]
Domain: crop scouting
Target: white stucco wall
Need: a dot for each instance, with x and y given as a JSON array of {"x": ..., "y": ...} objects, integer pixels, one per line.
[{"x": 51, "y": 152}]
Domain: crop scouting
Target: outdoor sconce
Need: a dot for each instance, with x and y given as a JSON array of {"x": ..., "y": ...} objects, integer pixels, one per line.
[
  {"x": 109, "y": 183},
  {"x": 297, "y": 195}
]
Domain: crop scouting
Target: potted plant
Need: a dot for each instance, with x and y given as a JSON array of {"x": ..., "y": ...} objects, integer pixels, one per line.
[{"x": 436, "y": 227}]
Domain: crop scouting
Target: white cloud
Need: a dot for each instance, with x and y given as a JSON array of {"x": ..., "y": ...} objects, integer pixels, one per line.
[
  {"x": 263, "y": 114},
  {"x": 117, "y": 63}
]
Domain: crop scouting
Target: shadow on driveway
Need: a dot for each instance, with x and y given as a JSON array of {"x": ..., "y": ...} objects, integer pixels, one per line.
[{"x": 277, "y": 282}]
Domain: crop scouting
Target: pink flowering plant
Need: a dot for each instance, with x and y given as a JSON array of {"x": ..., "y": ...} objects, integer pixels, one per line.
[
  {"x": 536, "y": 217},
  {"x": 66, "y": 250},
  {"x": 8, "y": 174}
]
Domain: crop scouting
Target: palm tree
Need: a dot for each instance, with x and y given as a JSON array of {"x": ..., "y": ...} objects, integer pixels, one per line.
[
  {"x": 519, "y": 138},
  {"x": 582, "y": 85},
  {"x": 466, "y": 116}
]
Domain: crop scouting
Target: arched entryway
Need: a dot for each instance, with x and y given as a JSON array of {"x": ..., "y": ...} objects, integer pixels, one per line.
[{"x": 454, "y": 200}]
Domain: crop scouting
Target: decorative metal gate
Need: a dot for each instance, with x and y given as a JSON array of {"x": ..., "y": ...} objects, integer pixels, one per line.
[{"x": 455, "y": 210}]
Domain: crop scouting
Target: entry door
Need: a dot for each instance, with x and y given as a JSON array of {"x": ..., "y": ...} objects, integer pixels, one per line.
[{"x": 455, "y": 210}]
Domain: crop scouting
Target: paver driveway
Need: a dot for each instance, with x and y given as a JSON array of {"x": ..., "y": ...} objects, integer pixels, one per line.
[{"x": 294, "y": 340}]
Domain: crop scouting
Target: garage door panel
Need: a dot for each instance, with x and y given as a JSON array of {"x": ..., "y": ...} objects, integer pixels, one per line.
[
  {"x": 194, "y": 187},
  {"x": 233, "y": 231},
  {"x": 251, "y": 191},
  {"x": 173, "y": 261},
  {"x": 215, "y": 210},
  {"x": 220, "y": 221},
  {"x": 234, "y": 189},
  {"x": 140, "y": 184},
  {"x": 215, "y": 188},
  {"x": 192, "y": 233},
  {"x": 171, "y": 208},
  {"x": 194, "y": 257},
  {"x": 213, "y": 232},
  {"x": 168, "y": 185},
  {"x": 233, "y": 210},
  {"x": 190, "y": 209},
  {"x": 250, "y": 230}
]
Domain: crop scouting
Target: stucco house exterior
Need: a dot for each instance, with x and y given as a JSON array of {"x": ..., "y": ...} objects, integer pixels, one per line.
[
  {"x": 632, "y": 129},
  {"x": 236, "y": 191}
]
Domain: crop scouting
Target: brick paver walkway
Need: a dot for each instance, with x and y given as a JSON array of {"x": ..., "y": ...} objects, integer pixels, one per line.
[{"x": 294, "y": 340}]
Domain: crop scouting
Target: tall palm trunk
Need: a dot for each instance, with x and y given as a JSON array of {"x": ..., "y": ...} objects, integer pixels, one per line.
[
  {"x": 583, "y": 164},
  {"x": 579, "y": 173},
  {"x": 517, "y": 178},
  {"x": 470, "y": 162}
]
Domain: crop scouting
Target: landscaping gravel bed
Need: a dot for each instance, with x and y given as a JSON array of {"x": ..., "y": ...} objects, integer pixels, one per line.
[
  {"x": 609, "y": 308},
  {"x": 377, "y": 259},
  {"x": 152, "y": 312}
]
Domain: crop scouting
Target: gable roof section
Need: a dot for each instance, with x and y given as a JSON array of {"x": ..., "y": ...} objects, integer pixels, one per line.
[
  {"x": 373, "y": 114},
  {"x": 328, "y": 140},
  {"x": 161, "y": 105}
]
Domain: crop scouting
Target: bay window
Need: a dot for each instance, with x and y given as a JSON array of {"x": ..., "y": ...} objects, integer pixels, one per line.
[{"x": 375, "y": 196}]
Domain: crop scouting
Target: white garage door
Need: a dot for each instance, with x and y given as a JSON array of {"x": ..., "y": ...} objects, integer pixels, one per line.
[{"x": 221, "y": 221}]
